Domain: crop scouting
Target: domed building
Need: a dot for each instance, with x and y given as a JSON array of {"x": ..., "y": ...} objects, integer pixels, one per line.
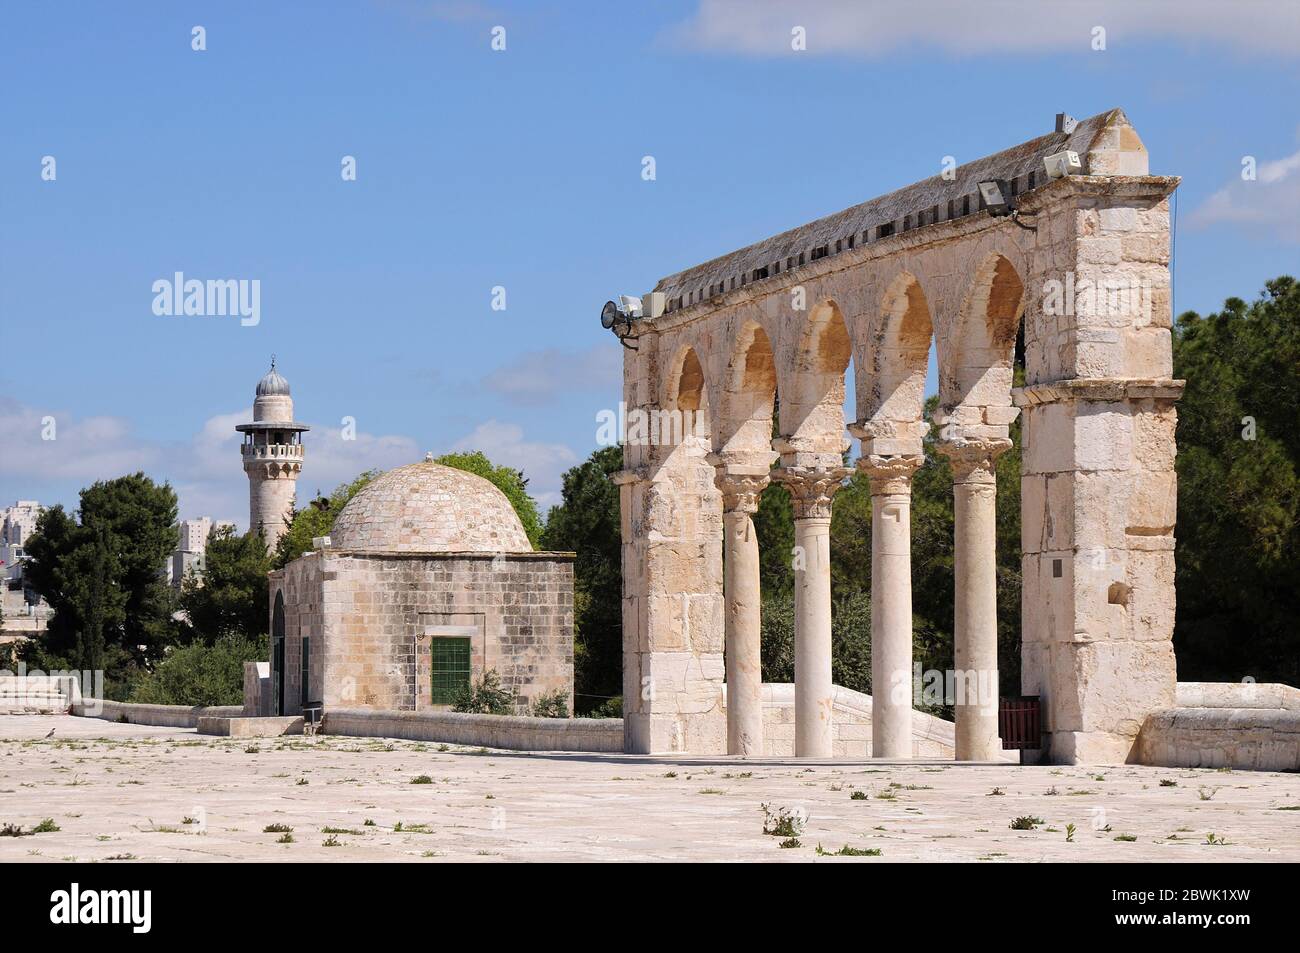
[{"x": 426, "y": 582}]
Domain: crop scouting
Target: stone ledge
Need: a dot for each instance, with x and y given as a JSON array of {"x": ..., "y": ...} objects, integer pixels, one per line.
[
  {"x": 268, "y": 727},
  {"x": 1100, "y": 389}
]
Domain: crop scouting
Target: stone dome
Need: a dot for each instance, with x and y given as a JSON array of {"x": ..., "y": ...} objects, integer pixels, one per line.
[
  {"x": 427, "y": 507},
  {"x": 272, "y": 385}
]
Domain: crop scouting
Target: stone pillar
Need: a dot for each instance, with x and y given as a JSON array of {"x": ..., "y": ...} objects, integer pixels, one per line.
[
  {"x": 742, "y": 611},
  {"x": 811, "y": 491},
  {"x": 975, "y": 623},
  {"x": 1098, "y": 486},
  {"x": 891, "y": 602}
]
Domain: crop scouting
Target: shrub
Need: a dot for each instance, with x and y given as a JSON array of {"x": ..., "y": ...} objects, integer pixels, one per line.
[
  {"x": 200, "y": 674},
  {"x": 485, "y": 697},
  {"x": 609, "y": 708},
  {"x": 551, "y": 705}
]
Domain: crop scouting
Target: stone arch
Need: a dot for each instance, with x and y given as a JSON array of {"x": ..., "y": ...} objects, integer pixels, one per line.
[
  {"x": 749, "y": 394},
  {"x": 976, "y": 371},
  {"x": 686, "y": 407},
  {"x": 812, "y": 393},
  {"x": 277, "y": 653},
  {"x": 892, "y": 400}
]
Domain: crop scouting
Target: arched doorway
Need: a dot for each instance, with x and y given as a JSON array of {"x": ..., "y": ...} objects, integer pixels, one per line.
[{"x": 277, "y": 653}]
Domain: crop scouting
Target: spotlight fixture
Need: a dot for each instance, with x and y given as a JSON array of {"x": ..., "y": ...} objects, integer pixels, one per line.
[
  {"x": 619, "y": 317},
  {"x": 619, "y": 320},
  {"x": 996, "y": 196}
]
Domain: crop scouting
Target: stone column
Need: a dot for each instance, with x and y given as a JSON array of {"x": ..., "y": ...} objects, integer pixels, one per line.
[
  {"x": 891, "y": 602},
  {"x": 811, "y": 490},
  {"x": 740, "y": 493},
  {"x": 975, "y": 624}
]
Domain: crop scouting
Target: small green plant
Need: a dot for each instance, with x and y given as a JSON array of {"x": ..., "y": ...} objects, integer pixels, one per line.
[
  {"x": 670, "y": 774},
  {"x": 1127, "y": 838},
  {"x": 485, "y": 697},
  {"x": 12, "y": 830},
  {"x": 551, "y": 705},
  {"x": 285, "y": 838},
  {"x": 331, "y": 841},
  {"x": 1069, "y": 833},
  {"x": 858, "y": 796},
  {"x": 847, "y": 851},
  {"x": 421, "y": 779},
  {"x": 1026, "y": 822},
  {"x": 1214, "y": 840},
  {"x": 790, "y": 842},
  {"x": 301, "y": 781},
  {"x": 188, "y": 820},
  {"x": 252, "y": 749},
  {"x": 1168, "y": 783},
  {"x": 997, "y": 792},
  {"x": 782, "y": 821},
  {"x": 340, "y": 830},
  {"x": 1206, "y": 794},
  {"x": 1052, "y": 792},
  {"x": 368, "y": 823},
  {"x": 277, "y": 829}
]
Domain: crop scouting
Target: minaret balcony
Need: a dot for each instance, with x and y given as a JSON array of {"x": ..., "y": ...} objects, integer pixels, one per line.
[{"x": 272, "y": 451}]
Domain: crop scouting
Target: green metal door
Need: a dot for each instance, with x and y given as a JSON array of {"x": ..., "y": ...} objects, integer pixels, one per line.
[{"x": 451, "y": 660}]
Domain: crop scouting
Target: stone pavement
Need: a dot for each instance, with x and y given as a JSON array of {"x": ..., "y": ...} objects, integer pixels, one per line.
[{"x": 128, "y": 792}]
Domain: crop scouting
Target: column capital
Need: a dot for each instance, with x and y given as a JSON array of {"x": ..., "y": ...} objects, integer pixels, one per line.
[
  {"x": 892, "y": 473},
  {"x": 811, "y": 488},
  {"x": 974, "y": 461},
  {"x": 740, "y": 491}
]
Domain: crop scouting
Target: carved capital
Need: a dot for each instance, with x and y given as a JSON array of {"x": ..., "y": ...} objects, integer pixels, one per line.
[
  {"x": 974, "y": 461},
  {"x": 811, "y": 489},
  {"x": 891, "y": 474},
  {"x": 740, "y": 491}
]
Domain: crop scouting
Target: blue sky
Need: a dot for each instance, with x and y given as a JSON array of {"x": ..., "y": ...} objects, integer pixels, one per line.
[{"x": 520, "y": 169}]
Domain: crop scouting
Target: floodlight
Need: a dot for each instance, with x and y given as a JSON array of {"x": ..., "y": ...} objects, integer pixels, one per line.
[{"x": 996, "y": 196}]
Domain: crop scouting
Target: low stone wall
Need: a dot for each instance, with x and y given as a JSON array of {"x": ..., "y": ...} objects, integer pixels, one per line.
[
  {"x": 162, "y": 716},
  {"x": 1257, "y": 739},
  {"x": 851, "y": 712},
  {"x": 513, "y": 732},
  {"x": 1225, "y": 725}
]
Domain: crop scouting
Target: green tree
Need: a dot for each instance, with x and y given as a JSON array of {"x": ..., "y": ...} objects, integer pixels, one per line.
[
  {"x": 1238, "y": 537},
  {"x": 586, "y": 522},
  {"x": 317, "y": 519},
  {"x": 230, "y": 596},
  {"x": 200, "y": 674},
  {"x": 102, "y": 574},
  {"x": 508, "y": 480}
]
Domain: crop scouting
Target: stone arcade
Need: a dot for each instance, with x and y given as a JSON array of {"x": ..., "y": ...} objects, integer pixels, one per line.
[{"x": 875, "y": 285}]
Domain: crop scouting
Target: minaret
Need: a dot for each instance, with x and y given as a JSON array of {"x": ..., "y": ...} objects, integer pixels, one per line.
[{"x": 272, "y": 453}]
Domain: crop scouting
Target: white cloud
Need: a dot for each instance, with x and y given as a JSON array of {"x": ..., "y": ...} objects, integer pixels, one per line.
[
  {"x": 1270, "y": 203},
  {"x": 852, "y": 27},
  {"x": 542, "y": 463},
  {"x": 544, "y": 375},
  {"x": 205, "y": 470}
]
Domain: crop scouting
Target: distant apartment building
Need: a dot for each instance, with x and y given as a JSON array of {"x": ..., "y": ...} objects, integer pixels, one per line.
[
  {"x": 24, "y": 613},
  {"x": 191, "y": 548},
  {"x": 17, "y": 523}
]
